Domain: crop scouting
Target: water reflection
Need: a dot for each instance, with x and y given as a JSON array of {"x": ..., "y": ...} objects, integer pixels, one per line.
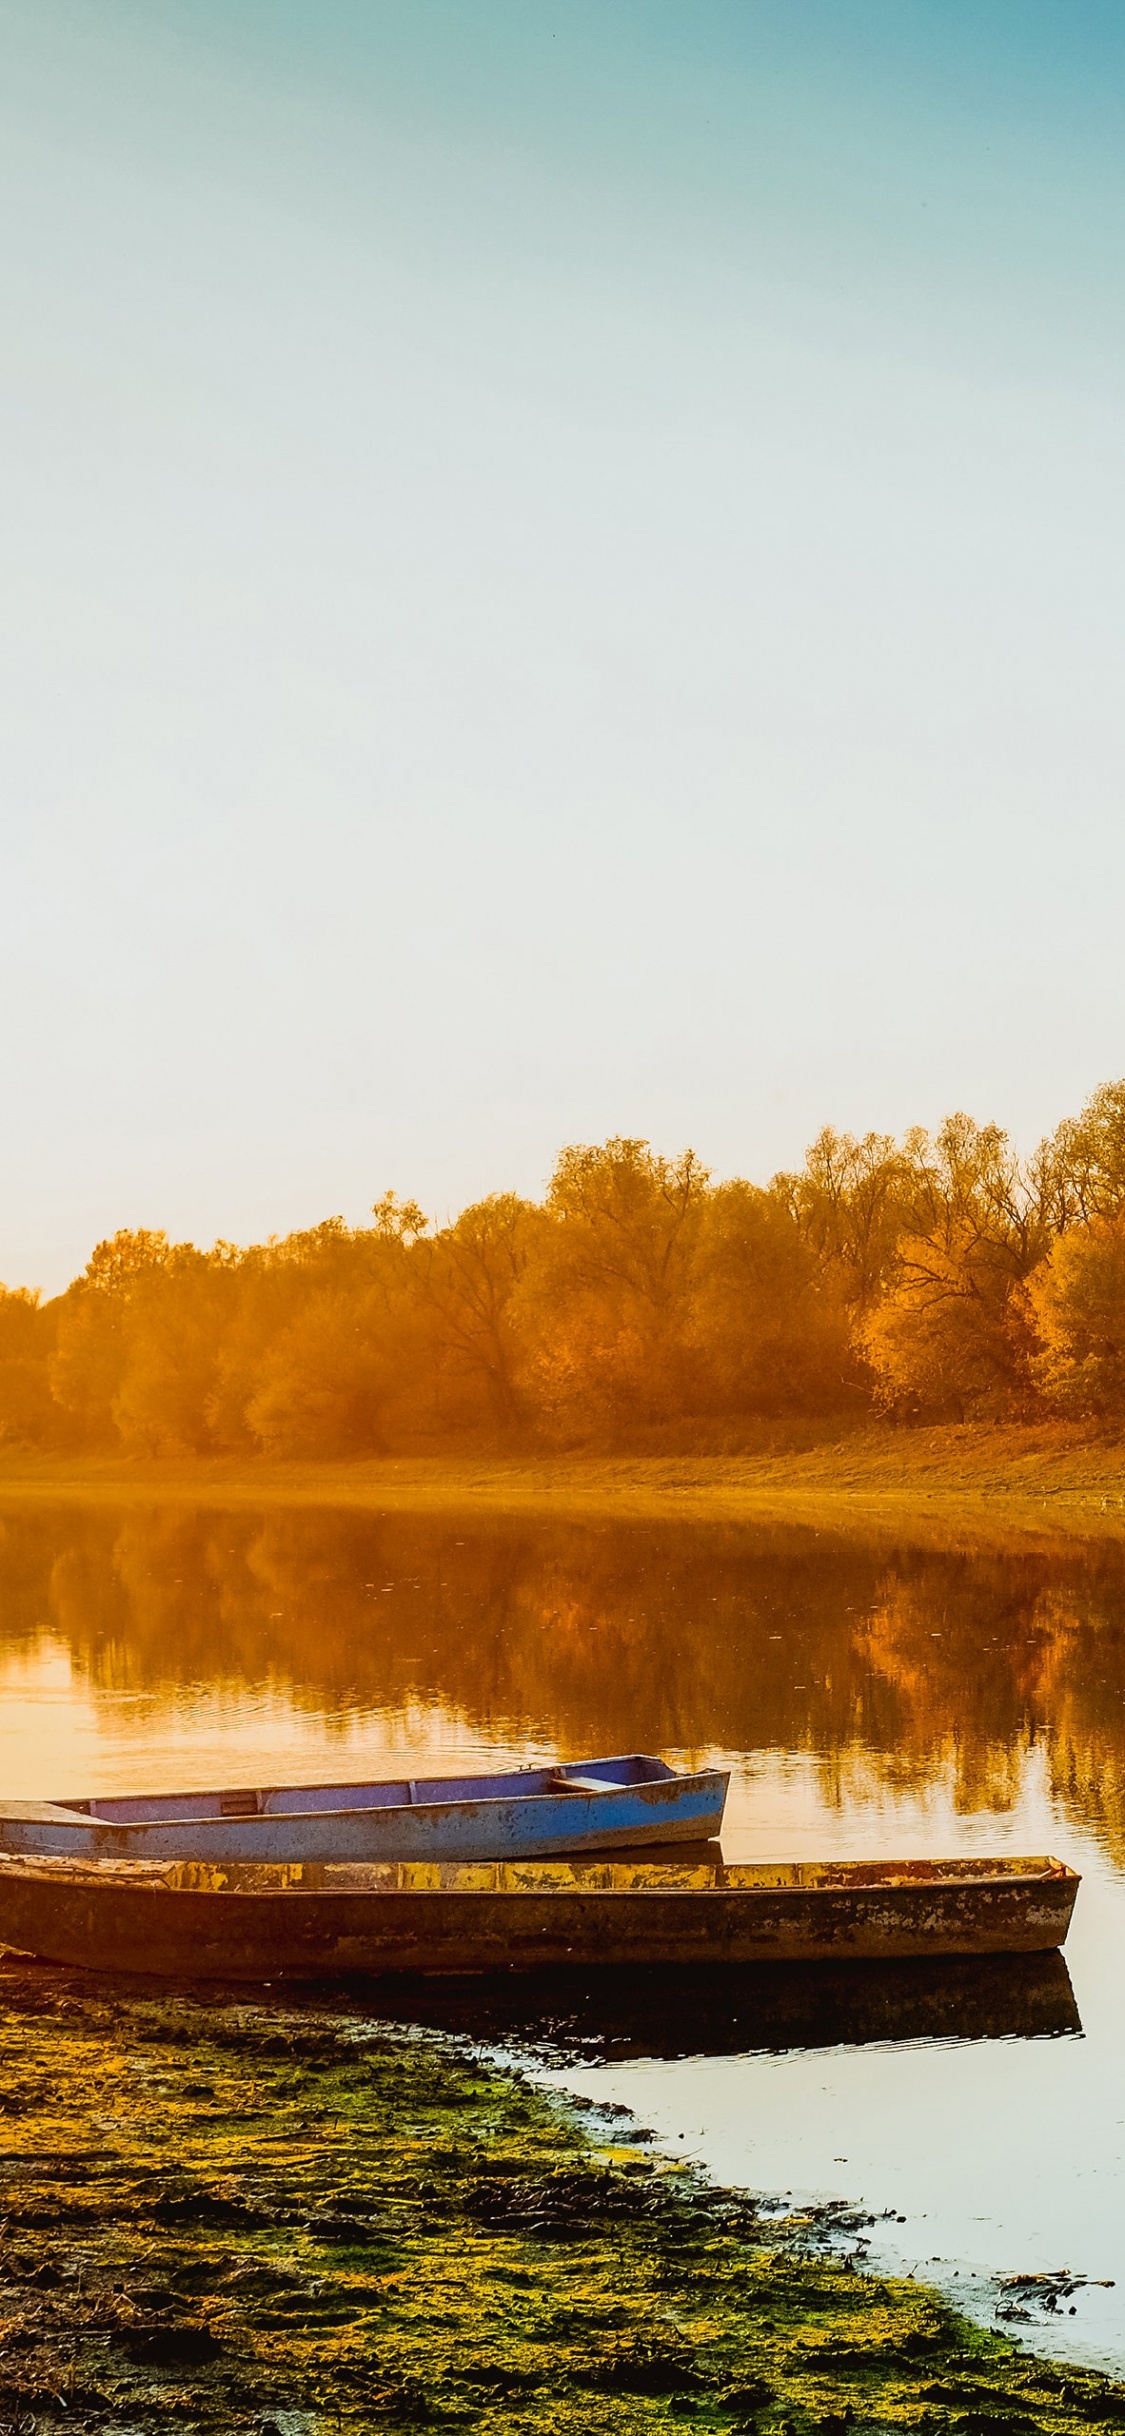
[
  {"x": 889, "y": 1670},
  {"x": 621, "y": 2017},
  {"x": 868, "y": 1699}
]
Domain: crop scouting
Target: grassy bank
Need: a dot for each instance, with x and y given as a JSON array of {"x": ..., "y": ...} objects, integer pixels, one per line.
[
  {"x": 230, "y": 2217},
  {"x": 967, "y": 1481}
]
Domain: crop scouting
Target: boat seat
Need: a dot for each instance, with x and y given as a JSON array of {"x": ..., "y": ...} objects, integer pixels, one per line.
[{"x": 581, "y": 1784}]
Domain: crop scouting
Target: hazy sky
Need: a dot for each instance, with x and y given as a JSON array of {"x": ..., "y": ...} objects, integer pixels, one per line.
[{"x": 563, "y": 572}]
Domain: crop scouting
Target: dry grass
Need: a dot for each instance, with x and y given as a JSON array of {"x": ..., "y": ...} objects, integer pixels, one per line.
[{"x": 975, "y": 1483}]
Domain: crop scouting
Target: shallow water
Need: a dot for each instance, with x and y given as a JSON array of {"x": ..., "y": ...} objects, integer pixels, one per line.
[{"x": 869, "y": 1700}]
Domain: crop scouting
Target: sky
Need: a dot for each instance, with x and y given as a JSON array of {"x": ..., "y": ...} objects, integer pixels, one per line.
[{"x": 562, "y": 572}]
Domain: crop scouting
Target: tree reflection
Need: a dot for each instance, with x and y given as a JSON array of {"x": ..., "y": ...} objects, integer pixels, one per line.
[{"x": 898, "y": 1669}]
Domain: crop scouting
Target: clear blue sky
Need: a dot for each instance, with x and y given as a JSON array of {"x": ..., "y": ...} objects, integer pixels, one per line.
[{"x": 563, "y": 572}]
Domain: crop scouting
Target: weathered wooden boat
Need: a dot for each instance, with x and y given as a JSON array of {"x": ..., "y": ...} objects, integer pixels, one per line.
[
  {"x": 318, "y": 1920},
  {"x": 589, "y": 1806}
]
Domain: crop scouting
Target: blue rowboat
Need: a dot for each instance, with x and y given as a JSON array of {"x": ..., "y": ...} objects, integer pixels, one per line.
[{"x": 525, "y": 1814}]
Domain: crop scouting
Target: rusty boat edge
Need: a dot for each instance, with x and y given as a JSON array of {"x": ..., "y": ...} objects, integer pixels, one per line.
[{"x": 260, "y": 1922}]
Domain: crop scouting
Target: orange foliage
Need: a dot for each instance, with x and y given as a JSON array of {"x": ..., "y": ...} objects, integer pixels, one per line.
[
  {"x": 951, "y": 1332},
  {"x": 931, "y": 1276},
  {"x": 1078, "y": 1299},
  {"x": 27, "y": 1335},
  {"x": 606, "y": 1307},
  {"x": 770, "y": 1319}
]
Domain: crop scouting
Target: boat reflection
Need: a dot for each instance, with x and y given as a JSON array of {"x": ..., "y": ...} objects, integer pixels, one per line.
[
  {"x": 618, "y": 2016},
  {"x": 613, "y": 2016}
]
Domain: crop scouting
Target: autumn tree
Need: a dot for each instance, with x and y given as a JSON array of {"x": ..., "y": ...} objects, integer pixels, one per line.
[
  {"x": 1077, "y": 1296},
  {"x": 951, "y": 1334},
  {"x": 770, "y": 1319},
  {"x": 172, "y": 1333},
  {"x": 91, "y": 1350},
  {"x": 936, "y": 1274},
  {"x": 607, "y": 1308},
  {"x": 350, "y": 1369},
  {"x": 851, "y": 1202},
  {"x": 470, "y": 1279},
  {"x": 28, "y": 1413},
  {"x": 1082, "y": 1164},
  {"x": 324, "y": 1383},
  {"x": 276, "y": 1281}
]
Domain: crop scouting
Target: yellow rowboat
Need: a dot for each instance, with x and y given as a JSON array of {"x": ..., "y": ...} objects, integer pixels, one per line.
[{"x": 325, "y": 1920}]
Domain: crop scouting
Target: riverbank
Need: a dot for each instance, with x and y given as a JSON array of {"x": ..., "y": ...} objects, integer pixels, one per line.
[
  {"x": 965, "y": 1482},
  {"x": 279, "y": 2218}
]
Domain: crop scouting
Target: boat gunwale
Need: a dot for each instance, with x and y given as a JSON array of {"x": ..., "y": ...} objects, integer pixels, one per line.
[
  {"x": 673, "y": 1779},
  {"x": 515, "y": 1880},
  {"x": 392, "y": 1810}
]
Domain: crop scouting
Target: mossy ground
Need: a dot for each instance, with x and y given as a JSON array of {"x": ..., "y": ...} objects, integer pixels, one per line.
[{"x": 226, "y": 2215}]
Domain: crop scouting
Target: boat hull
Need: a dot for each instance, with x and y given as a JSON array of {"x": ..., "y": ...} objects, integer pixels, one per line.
[
  {"x": 520, "y": 1826},
  {"x": 317, "y": 1923}
]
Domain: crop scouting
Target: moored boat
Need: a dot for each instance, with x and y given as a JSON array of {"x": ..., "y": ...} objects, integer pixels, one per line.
[
  {"x": 587, "y": 1806},
  {"x": 313, "y": 1921}
]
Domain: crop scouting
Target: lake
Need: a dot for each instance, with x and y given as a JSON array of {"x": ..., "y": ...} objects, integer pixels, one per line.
[{"x": 868, "y": 1698}]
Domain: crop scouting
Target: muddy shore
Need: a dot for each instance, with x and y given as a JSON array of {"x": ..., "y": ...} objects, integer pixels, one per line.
[{"x": 221, "y": 2215}]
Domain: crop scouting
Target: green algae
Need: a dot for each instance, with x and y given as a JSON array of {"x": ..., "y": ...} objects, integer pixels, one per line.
[{"x": 238, "y": 2215}]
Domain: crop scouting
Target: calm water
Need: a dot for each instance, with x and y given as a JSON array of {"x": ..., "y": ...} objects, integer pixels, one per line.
[{"x": 868, "y": 1700}]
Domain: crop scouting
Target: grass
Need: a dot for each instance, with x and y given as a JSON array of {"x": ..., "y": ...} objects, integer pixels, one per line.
[
  {"x": 276, "y": 2218},
  {"x": 972, "y": 1481}
]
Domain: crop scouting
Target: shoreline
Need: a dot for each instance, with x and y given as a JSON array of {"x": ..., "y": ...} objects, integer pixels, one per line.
[
  {"x": 971, "y": 1483},
  {"x": 241, "y": 2214}
]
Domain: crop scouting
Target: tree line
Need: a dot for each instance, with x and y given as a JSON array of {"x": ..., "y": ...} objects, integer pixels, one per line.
[{"x": 639, "y": 1303}]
